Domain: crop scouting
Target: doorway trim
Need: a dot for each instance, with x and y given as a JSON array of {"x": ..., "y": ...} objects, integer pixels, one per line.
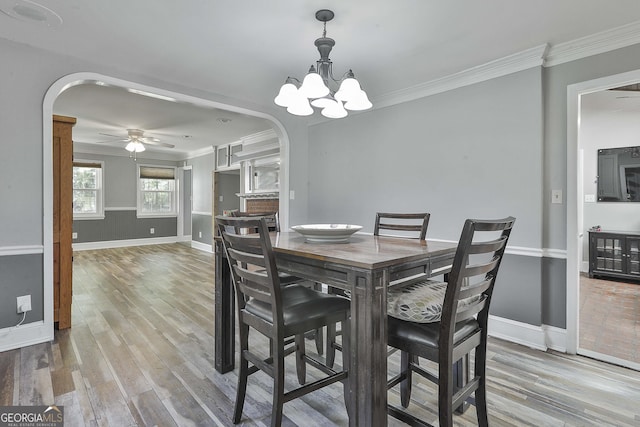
[
  {"x": 74, "y": 79},
  {"x": 575, "y": 197}
]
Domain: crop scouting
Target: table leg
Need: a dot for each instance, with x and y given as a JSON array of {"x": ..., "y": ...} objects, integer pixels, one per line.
[
  {"x": 224, "y": 318},
  {"x": 368, "y": 364}
]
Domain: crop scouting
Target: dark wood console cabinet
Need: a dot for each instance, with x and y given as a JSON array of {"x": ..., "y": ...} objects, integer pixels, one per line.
[{"x": 614, "y": 254}]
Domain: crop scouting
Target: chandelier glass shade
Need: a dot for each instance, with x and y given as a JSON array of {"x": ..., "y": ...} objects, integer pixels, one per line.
[{"x": 315, "y": 89}]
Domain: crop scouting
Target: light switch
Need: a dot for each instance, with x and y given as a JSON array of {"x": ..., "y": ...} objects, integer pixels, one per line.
[
  {"x": 292, "y": 195},
  {"x": 556, "y": 196},
  {"x": 589, "y": 198}
]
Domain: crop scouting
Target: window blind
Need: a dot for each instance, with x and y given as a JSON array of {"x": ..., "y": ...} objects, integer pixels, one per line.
[{"x": 153, "y": 172}]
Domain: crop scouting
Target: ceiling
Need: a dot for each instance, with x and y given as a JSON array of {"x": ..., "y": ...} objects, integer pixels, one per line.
[{"x": 245, "y": 49}]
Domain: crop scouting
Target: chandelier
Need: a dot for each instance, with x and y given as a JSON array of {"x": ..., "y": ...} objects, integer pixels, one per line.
[{"x": 315, "y": 89}]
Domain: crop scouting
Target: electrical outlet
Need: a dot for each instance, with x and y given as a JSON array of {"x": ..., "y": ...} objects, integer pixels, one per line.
[
  {"x": 74, "y": 235},
  {"x": 199, "y": 234},
  {"x": 24, "y": 303},
  {"x": 152, "y": 230}
]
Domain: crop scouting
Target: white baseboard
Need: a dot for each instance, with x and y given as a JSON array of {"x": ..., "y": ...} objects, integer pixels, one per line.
[
  {"x": 123, "y": 243},
  {"x": 202, "y": 246},
  {"x": 25, "y": 335},
  {"x": 538, "y": 337}
]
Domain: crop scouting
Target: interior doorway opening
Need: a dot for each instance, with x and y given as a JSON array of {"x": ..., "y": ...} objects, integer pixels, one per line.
[{"x": 580, "y": 165}]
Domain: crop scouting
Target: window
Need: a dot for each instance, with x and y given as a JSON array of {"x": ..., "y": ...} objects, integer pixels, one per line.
[
  {"x": 156, "y": 191},
  {"x": 87, "y": 189}
]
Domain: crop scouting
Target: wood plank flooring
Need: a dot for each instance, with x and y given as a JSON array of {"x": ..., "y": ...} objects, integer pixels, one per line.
[{"x": 140, "y": 352}]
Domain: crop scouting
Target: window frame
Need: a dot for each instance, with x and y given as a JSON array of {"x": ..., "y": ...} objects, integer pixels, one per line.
[
  {"x": 140, "y": 193},
  {"x": 100, "y": 178}
]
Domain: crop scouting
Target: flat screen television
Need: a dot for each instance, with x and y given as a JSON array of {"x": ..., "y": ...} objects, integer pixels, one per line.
[{"x": 619, "y": 174}]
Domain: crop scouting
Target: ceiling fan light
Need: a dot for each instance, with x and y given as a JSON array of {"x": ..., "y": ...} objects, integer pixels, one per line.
[
  {"x": 313, "y": 86},
  {"x": 335, "y": 111},
  {"x": 131, "y": 147},
  {"x": 349, "y": 89},
  {"x": 139, "y": 147},
  {"x": 359, "y": 103},
  {"x": 286, "y": 94}
]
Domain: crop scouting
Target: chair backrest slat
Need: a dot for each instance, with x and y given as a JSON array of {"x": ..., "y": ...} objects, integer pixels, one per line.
[
  {"x": 474, "y": 271},
  {"x": 406, "y": 222},
  {"x": 253, "y": 268}
]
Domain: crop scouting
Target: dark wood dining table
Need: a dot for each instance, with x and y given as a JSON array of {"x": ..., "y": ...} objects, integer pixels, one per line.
[{"x": 367, "y": 266}]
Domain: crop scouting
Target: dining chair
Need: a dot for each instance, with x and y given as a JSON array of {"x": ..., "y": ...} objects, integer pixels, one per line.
[
  {"x": 283, "y": 314},
  {"x": 410, "y": 226},
  {"x": 406, "y": 223},
  {"x": 273, "y": 223},
  {"x": 445, "y": 322}
]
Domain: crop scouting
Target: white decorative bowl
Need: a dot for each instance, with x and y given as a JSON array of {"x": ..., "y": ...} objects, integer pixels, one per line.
[{"x": 326, "y": 233}]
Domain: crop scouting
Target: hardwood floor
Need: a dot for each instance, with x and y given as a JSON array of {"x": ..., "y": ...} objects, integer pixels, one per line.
[
  {"x": 140, "y": 352},
  {"x": 610, "y": 319}
]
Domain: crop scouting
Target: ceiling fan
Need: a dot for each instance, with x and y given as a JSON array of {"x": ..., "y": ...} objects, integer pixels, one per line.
[{"x": 136, "y": 140}]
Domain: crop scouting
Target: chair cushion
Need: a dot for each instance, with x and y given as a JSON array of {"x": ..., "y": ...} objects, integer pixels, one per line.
[
  {"x": 420, "y": 302},
  {"x": 406, "y": 335},
  {"x": 302, "y": 306}
]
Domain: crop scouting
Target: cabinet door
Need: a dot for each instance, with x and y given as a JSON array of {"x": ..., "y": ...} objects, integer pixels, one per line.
[
  {"x": 609, "y": 253},
  {"x": 633, "y": 255}
]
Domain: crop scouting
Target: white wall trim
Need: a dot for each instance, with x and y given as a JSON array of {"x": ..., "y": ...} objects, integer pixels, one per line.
[
  {"x": 25, "y": 335},
  {"x": 538, "y": 337},
  {"x": 594, "y": 44},
  {"x": 201, "y": 213},
  {"x": 523, "y": 251},
  {"x": 123, "y": 243},
  {"x": 554, "y": 253},
  {"x": 122, "y": 208},
  {"x": 610, "y": 359},
  {"x": 520, "y": 61},
  {"x": 21, "y": 250},
  {"x": 201, "y": 152},
  {"x": 202, "y": 246}
]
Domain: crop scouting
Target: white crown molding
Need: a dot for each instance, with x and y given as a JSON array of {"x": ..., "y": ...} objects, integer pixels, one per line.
[
  {"x": 520, "y": 61},
  {"x": 254, "y": 138},
  {"x": 594, "y": 44},
  {"x": 201, "y": 152},
  {"x": 21, "y": 250}
]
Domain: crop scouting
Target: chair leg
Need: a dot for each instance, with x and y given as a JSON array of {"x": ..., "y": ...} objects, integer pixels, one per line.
[
  {"x": 331, "y": 350},
  {"x": 481, "y": 392},
  {"x": 278, "y": 384},
  {"x": 405, "y": 386},
  {"x": 242, "y": 374},
  {"x": 319, "y": 341},
  {"x": 446, "y": 387},
  {"x": 301, "y": 365}
]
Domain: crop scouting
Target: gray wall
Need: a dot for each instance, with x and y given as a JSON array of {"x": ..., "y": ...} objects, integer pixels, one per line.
[
  {"x": 20, "y": 275},
  {"x": 228, "y": 187},
  {"x": 202, "y": 224},
  {"x": 201, "y": 182},
  {"x": 123, "y": 225},
  {"x": 472, "y": 152}
]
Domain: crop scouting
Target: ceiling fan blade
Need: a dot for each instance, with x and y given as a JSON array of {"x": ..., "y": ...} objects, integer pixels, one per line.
[
  {"x": 108, "y": 134},
  {"x": 161, "y": 144},
  {"x": 149, "y": 138},
  {"x": 120, "y": 139}
]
